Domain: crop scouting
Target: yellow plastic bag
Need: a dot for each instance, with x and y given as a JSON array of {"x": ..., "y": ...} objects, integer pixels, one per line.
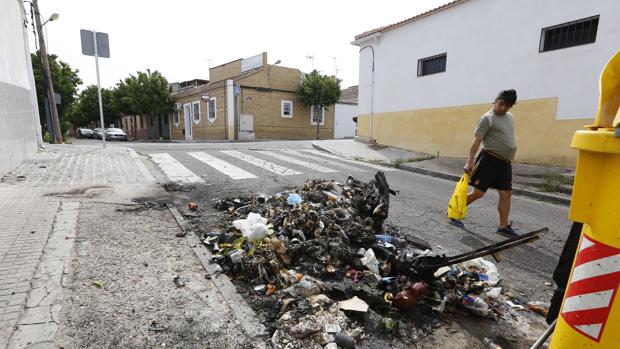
[{"x": 457, "y": 207}]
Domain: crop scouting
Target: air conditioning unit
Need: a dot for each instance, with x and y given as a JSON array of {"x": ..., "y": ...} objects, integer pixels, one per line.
[{"x": 178, "y": 106}]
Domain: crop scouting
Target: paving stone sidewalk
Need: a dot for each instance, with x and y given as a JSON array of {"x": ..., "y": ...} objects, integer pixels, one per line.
[
  {"x": 36, "y": 225},
  {"x": 26, "y": 219}
]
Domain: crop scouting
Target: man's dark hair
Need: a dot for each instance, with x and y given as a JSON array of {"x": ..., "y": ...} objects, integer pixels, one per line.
[{"x": 508, "y": 96}]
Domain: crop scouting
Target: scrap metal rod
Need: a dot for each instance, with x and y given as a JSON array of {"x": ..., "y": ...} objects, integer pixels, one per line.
[{"x": 483, "y": 251}]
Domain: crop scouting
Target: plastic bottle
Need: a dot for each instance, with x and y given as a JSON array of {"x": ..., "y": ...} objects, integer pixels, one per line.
[
  {"x": 475, "y": 305},
  {"x": 389, "y": 239}
]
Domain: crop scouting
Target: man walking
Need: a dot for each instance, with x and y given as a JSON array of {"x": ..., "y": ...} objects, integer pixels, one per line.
[{"x": 492, "y": 169}]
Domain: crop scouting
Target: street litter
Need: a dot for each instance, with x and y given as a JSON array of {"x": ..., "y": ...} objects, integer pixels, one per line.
[
  {"x": 540, "y": 308},
  {"x": 322, "y": 264},
  {"x": 353, "y": 304}
]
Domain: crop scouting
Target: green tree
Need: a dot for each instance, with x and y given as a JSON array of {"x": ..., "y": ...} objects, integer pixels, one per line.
[
  {"x": 66, "y": 81},
  {"x": 86, "y": 108},
  {"x": 143, "y": 94},
  {"x": 318, "y": 91}
]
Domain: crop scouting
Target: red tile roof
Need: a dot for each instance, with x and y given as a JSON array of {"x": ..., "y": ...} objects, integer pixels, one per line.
[{"x": 409, "y": 20}]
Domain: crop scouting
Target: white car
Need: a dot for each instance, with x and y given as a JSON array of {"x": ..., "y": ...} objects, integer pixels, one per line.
[{"x": 115, "y": 133}]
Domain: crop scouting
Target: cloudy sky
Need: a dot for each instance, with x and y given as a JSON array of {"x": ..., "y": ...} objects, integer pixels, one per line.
[{"x": 183, "y": 38}]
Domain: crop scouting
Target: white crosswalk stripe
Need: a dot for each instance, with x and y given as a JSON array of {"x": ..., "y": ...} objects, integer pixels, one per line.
[
  {"x": 360, "y": 163},
  {"x": 264, "y": 164},
  {"x": 324, "y": 161},
  {"x": 302, "y": 163},
  {"x": 175, "y": 171},
  {"x": 224, "y": 167}
]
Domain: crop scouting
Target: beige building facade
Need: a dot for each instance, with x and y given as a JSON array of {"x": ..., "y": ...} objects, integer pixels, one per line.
[{"x": 247, "y": 99}]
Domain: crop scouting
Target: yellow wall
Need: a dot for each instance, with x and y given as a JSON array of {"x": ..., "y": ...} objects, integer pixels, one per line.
[
  {"x": 203, "y": 130},
  {"x": 266, "y": 107},
  {"x": 541, "y": 138}
]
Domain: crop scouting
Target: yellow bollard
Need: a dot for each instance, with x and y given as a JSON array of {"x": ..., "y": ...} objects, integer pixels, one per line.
[{"x": 590, "y": 314}]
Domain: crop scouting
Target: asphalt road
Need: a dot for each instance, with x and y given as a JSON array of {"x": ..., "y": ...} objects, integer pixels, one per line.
[{"x": 420, "y": 207}]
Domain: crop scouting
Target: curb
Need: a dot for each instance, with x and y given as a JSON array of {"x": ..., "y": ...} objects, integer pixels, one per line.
[
  {"x": 322, "y": 148},
  {"x": 250, "y": 324},
  {"x": 518, "y": 191}
]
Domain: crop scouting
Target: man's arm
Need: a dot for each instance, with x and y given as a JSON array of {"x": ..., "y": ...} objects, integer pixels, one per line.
[{"x": 472, "y": 153}]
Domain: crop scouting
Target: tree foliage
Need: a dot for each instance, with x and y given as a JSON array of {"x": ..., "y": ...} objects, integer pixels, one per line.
[
  {"x": 318, "y": 90},
  {"x": 143, "y": 94},
  {"x": 86, "y": 109},
  {"x": 66, "y": 81}
]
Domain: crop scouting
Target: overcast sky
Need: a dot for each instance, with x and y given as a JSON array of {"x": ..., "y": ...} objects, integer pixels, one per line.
[{"x": 182, "y": 38}]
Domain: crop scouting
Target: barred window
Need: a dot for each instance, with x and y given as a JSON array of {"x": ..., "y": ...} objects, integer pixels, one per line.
[
  {"x": 579, "y": 32},
  {"x": 432, "y": 65},
  {"x": 286, "y": 109}
]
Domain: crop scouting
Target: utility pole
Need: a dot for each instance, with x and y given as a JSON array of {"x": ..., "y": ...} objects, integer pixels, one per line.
[{"x": 45, "y": 66}]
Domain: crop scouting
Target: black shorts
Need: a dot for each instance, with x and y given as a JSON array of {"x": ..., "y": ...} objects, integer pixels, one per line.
[{"x": 491, "y": 171}]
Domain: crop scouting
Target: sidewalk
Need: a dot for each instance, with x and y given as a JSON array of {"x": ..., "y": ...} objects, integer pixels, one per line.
[
  {"x": 546, "y": 183},
  {"x": 82, "y": 257},
  {"x": 38, "y": 213}
]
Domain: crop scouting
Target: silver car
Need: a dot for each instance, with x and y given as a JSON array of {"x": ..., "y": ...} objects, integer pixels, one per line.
[
  {"x": 97, "y": 134},
  {"x": 116, "y": 133},
  {"x": 83, "y": 132}
]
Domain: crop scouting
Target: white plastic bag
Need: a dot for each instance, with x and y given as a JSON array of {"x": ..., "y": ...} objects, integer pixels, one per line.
[
  {"x": 370, "y": 261},
  {"x": 254, "y": 227},
  {"x": 490, "y": 270}
]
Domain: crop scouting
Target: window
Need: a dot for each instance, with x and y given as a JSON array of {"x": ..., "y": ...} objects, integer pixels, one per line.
[
  {"x": 175, "y": 118},
  {"x": 317, "y": 115},
  {"x": 286, "y": 109},
  {"x": 579, "y": 32},
  {"x": 196, "y": 112},
  {"x": 152, "y": 119},
  {"x": 212, "y": 109},
  {"x": 432, "y": 65}
]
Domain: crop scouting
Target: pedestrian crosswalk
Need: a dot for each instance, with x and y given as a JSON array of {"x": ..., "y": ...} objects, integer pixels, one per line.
[
  {"x": 188, "y": 167},
  {"x": 175, "y": 171},
  {"x": 264, "y": 164},
  {"x": 231, "y": 171}
]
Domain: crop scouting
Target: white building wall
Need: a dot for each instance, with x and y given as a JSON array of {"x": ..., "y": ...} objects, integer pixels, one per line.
[
  {"x": 491, "y": 45},
  {"x": 344, "y": 127},
  {"x": 18, "y": 109}
]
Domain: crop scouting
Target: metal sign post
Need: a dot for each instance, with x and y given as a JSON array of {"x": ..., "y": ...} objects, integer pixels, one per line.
[
  {"x": 99, "y": 91},
  {"x": 96, "y": 44}
]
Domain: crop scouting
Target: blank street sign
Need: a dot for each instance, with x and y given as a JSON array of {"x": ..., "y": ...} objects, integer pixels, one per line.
[{"x": 88, "y": 44}]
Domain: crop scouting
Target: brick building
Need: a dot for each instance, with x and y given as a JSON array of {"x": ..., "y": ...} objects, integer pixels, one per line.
[{"x": 247, "y": 99}]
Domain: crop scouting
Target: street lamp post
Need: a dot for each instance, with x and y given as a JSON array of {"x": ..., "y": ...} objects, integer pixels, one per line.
[{"x": 45, "y": 66}]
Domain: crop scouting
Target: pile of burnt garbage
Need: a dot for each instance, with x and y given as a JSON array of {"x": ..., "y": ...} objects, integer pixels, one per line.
[{"x": 329, "y": 271}]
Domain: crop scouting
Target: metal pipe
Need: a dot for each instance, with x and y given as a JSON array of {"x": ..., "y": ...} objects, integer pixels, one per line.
[{"x": 544, "y": 336}]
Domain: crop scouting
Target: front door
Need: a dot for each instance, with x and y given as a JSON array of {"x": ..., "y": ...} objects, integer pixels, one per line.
[{"x": 187, "y": 118}]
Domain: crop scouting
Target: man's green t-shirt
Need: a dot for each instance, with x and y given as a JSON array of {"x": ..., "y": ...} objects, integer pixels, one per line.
[{"x": 498, "y": 134}]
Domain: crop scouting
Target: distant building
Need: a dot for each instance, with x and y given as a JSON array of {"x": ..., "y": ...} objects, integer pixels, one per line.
[
  {"x": 425, "y": 81},
  {"x": 20, "y": 129},
  {"x": 246, "y": 99},
  {"x": 345, "y": 110}
]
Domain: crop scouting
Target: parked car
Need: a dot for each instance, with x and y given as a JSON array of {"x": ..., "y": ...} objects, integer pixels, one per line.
[
  {"x": 116, "y": 133},
  {"x": 83, "y": 132},
  {"x": 97, "y": 134}
]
